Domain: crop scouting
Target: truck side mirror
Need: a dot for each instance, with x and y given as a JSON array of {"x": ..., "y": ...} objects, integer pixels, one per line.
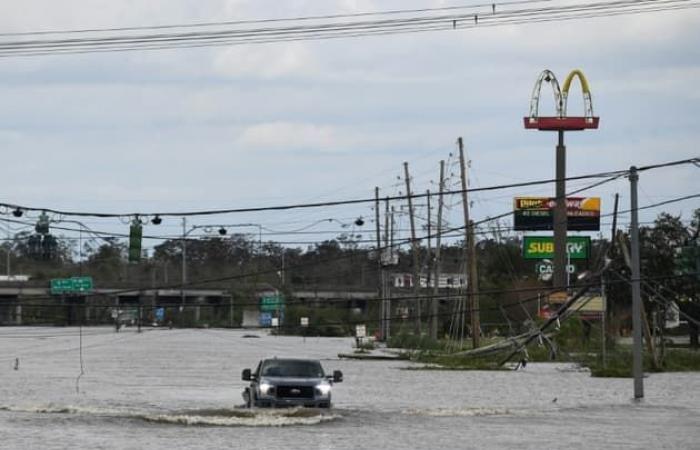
[
  {"x": 337, "y": 376},
  {"x": 245, "y": 376}
]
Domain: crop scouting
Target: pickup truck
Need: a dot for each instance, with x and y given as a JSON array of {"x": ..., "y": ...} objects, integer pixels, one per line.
[{"x": 280, "y": 382}]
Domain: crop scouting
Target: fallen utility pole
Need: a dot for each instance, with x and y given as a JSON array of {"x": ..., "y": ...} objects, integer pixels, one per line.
[
  {"x": 414, "y": 250},
  {"x": 554, "y": 318}
]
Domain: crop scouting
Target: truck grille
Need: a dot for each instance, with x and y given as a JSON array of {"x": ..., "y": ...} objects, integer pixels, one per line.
[{"x": 295, "y": 392}]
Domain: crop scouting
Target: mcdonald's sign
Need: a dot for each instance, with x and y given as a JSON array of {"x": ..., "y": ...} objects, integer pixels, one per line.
[{"x": 561, "y": 121}]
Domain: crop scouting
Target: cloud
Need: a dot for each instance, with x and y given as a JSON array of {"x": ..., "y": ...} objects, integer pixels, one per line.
[
  {"x": 293, "y": 121},
  {"x": 289, "y": 137},
  {"x": 265, "y": 61}
]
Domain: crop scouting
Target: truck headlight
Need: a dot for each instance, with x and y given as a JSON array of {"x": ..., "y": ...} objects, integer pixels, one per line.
[
  {"x": 267, "y": 389},
  {"x": 323, "y": 389}
]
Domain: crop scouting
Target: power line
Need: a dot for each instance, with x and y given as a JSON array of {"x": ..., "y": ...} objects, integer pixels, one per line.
[
  {"x": 290, "y": 19},
  {"x": 615, "y": 174},
  {"x": 330, "y": 30}
]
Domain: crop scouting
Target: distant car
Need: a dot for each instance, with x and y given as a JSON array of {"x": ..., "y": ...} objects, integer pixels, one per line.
[{"x": 280, "y": 382}]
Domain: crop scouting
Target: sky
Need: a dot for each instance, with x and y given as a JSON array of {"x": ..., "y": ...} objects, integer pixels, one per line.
[{"x": 312, "y": 121}]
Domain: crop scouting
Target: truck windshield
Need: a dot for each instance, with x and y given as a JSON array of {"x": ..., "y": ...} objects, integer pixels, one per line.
[{"x": 292, "y": 368}]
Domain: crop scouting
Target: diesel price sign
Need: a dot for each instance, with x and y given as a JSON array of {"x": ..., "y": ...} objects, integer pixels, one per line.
[{"x": 537, "y": 213}]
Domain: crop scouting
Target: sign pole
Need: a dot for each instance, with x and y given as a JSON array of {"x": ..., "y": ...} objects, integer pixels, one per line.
[
  {"x": 560, "y": 228},
  {"x": 560, "y": 123}
]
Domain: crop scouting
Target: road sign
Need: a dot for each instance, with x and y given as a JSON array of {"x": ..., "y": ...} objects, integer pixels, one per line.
[
  {"x": 360, "y": 331},
  {"x": 304, "y": 321},
  {"x": 542, "y": 247},
  {"x": 271, "y": 302},
  {"x": 265, "y": 319},
  {"x": 74, "y": 285}
]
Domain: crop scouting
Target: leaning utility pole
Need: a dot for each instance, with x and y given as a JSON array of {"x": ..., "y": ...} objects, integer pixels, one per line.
[
  {"x": 434, "y": 302},
  {"x": 414, "y": 250},
  {"x": 470, "y": 253},
  {"x": 636, "y": 290}
]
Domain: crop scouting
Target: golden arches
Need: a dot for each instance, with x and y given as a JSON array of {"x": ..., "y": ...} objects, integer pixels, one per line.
[
  {"x": 548, "y": 77},
  {"x": 561, "y": 95},
  {"x": 582, "y": 78}
]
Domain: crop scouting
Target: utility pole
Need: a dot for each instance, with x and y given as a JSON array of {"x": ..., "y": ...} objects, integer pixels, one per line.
[
  {"x": 429, "y": 261},
  {"x": 434, "y": 302},
  {"x": 603, "y": 287},
  {"x": 414, "y": 250},
  {"x": 380, "y": 275},
  {"x": 184, "y": 263},
  {"x": 636, "y": 290},
  {"x": 386, "y": 297},
  {"x": 470, "y": 253}
]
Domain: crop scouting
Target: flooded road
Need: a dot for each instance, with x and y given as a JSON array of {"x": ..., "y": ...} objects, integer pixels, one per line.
[{"x": 162, "y": 389}]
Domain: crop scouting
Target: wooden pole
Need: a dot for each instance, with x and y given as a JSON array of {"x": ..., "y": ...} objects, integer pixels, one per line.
[
  {"x": 380, "y": 277},
  {"x": 414, "y": 250},
  {"x": 435, "y": 302},
  {"x": 470, "y": 253}
]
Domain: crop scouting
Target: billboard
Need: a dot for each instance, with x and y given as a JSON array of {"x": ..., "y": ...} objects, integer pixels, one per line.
[
  {"x": 542, "y": 247},
  {"x": 537, "y": 213}
]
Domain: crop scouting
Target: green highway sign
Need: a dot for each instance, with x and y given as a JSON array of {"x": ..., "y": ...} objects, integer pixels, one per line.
[
  {"x": 271, "y": 302},
  {"x": 74, "y": 285},
  {"x": 542, "y": 247}
]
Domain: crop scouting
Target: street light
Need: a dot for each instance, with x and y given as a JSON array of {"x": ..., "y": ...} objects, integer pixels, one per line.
[{"x": 222, "y": 231}]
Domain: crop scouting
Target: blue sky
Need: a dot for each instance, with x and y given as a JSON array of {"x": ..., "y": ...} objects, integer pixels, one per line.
[{"x": 298, "y": 122}]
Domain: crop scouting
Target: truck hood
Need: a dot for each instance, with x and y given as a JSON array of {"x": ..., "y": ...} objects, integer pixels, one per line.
[{"x": 280, "y": 381}]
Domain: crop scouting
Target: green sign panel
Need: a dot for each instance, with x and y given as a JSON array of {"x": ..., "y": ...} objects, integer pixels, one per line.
[
  {"x": 75, "y": 285},
  {"x": 542, "y": 247},
  {"x": 271, "y": 302}
]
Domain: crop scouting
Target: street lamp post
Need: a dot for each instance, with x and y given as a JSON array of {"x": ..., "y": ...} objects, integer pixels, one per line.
[{"x": 222, "y": 231}]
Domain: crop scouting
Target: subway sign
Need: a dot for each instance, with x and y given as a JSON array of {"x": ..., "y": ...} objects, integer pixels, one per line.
[
  {"x": 537, "y": 213},
  {"x": 542, "y": 247}
]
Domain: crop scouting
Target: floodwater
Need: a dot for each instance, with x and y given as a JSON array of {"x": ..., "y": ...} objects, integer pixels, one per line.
[{"x": 164, "y": 389}]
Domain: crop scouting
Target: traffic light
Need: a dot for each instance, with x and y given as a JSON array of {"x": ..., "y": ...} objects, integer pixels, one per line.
[
  {"x": 42, "y": 225},
  {"x": 135, "y": 234}
]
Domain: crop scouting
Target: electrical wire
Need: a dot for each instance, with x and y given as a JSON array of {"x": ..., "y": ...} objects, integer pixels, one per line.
[
  {"x": 291, "y": 19},
  {"x": 616, "y": 173},
  {"x": 337, "y": 29}
]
